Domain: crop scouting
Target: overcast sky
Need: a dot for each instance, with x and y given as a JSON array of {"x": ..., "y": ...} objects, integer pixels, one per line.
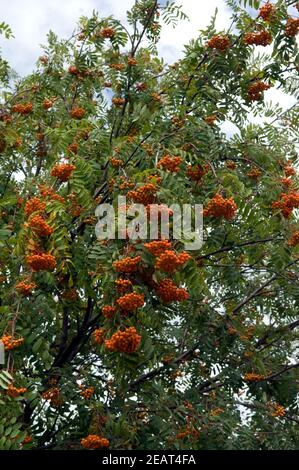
[{"x": 30, "y": 21}]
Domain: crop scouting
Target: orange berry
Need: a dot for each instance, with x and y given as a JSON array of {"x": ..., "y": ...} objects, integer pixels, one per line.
[
  {"x": 10, "y": 343},
  {"x": 144, "y": 195},
  {"x": 127, "y": 265},
  {"x": 254, "y": 173},
  {"x": 77, "y": 113},
  {"x": 267, "y": 12},
  {"x": 169, "y": 261},
  {"x": 259, "y": 38},
  {"x": 127, "y": 341},
  {"x": 169, "y": 292},
  {"x": 292, "y": 27},
  {"x": 196, "y": 172},
  {"x": 25, "y": 108},
  {"x": 107, "y": 33},
  {"x": 108, "y": 311},
  {"x": 34, "y": 205},
  {"x": 123, "y": 285},
  {"x": 99, "y": 335},
  {"x": 219, "y": 42},
  {"x": 130, "y": 302},
  {"x": 256, "y": 89},
  {"x": 252, "y": 377},
  {"x": 14, "y": 392},
  {"x": 294, "y": 239},
  {"x": 38, "y": 224},
  {"x": 221, "y": 207},
  {"x": 47, "y": 104},
  {"x": 25, "y": 288},
  {"x": 156, "y": 248},
  {"x": 41, "y": 262},
  {"x": 170, "y": 163},
  {"x": 92, "y": 441},
  {"x": 63, "y": 171},
  {"x": 287, "y": 203},
  {"x": 87, "y": 393},
  {"x": 118, "y": 101}
]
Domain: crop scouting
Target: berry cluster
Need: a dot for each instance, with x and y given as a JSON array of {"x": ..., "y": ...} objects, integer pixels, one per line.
[
  {"x": 289, "y": 170},
  {"x": 39, "y": 226},
  {"x": 277, "y": 410},
  {"x": 177, "y": 122},
  {"x": 107, "y": 33},
  {"x": 294, "y": 239},
  {"x": 94, "y": 442},
  {"x": 170, "y": 163},
  {"x": 14, "y": 392},
  {"x": 127, "y": 265},
  {"x": 292, "y": 27},
  {"x": 286, "y": 182},
  {"x": 256, "y": 89},
  {"x": 87, "y": 393},
  {"x": 125, "y": 184},
  {"x": 141, "y": 86},
  {"x": 254, "y": 173},
  {"x": 10, "y": 343},
  {"x": 25, "y": 108},
  {"x": 71, "y": 295},
  {"x": 73, "y": 70},
  {"x": 130, "y": 302},
  {"x": 169, "y": 292},
  {"x": 72, "y": 148},
  {"x": 27, "y": 440},
  {"x": 267, "y": 12},
  {"x": 63, "y": 171},
  {"x": 77, "y": 113},
  {"x": 48, "y": 193},
  {"x": 219, "y": 42},
  {"x": 53, "y": 396},
  {"x": 144, "y": 195},
  {"x": 99, "y": 335},
  {"x": 132, "y": 61},
  {"x": 127, "y": 341},
  {"x": 41, "y": 262},
  {"x": 169, "y": 261},
  {"x": 118, "y": 101},
  {"x": 221, "y": 207},
  {"x": 156, "y": 97},
  {"x": 108, "y": 311},
  {"x": 157, "y": 247},
  {"x": 210, "y": 120},
  {"x": 252, "y": 377},
  {"x": 34, "y": 205},
  {"x": 47, "y": 104},
  {"x": 196, "y": 172},
  {"x": 287, "y": 203},
  {"x": 123, "y": 285},
  {"x": 258, "y": 38},
  {"x": 117, "y": 67},
  {"x": 25, "y": 288},
  {"x": 116, "y": 162},
  {"x": 230, "y": 164}
]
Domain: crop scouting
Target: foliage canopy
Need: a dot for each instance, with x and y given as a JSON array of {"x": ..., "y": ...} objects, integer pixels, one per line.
[{"x": 138, "y": 345}]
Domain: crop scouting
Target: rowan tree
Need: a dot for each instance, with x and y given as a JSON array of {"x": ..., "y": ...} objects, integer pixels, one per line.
[{"x": 140, "y": 344}]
